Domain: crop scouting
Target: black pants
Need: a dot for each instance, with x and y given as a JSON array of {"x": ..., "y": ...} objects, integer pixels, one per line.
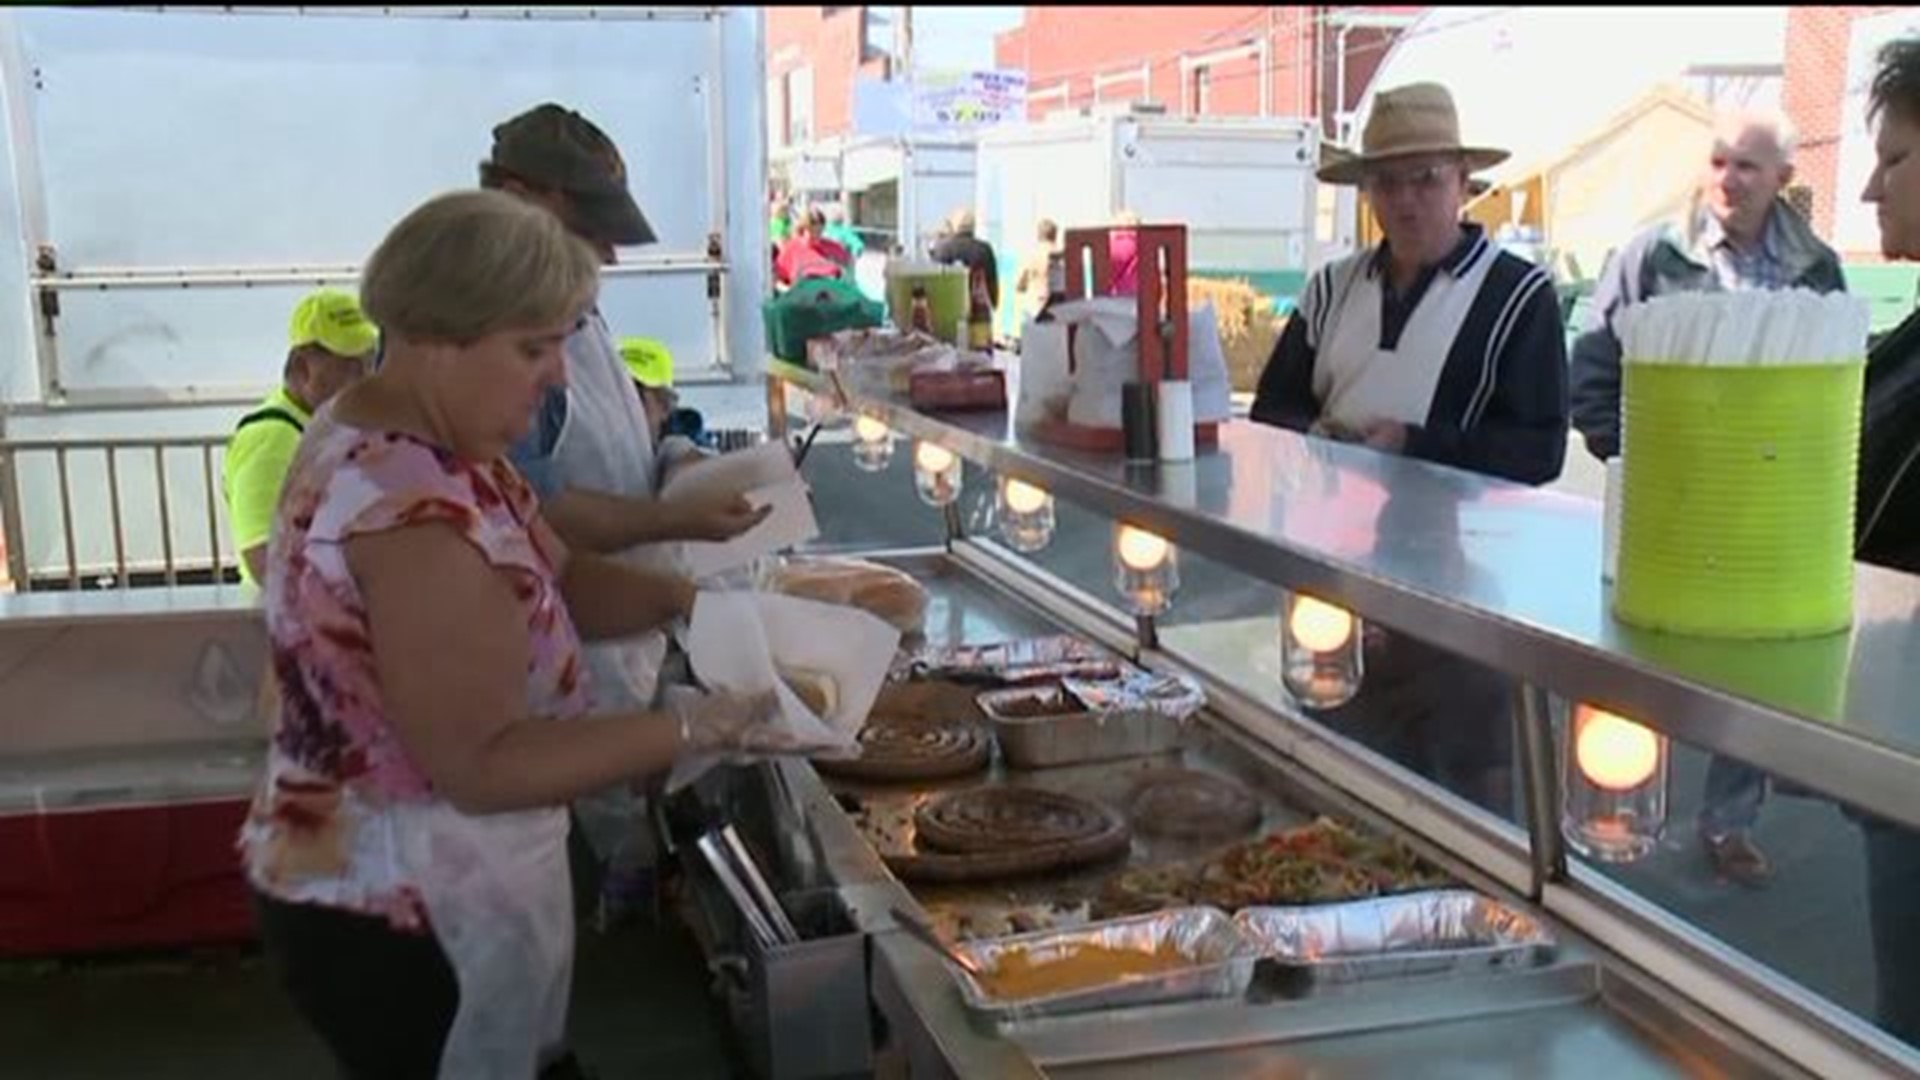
[
  {"x": 383, "y": 1001},
  {"x": 1446, "y": 718},
  {"x": 1893, "y": 905}
]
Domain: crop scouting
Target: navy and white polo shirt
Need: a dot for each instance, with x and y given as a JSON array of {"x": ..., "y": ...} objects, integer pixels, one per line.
[{"x": 1472, "y": 358}]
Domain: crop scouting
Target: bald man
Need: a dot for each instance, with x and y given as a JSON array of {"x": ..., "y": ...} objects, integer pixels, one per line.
[{"x": 1739, "y": 235}]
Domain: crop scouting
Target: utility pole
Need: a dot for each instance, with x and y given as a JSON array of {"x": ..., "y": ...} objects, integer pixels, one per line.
[{"x": 903, "y": 44}]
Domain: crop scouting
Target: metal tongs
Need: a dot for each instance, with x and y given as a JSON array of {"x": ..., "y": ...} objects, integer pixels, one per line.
[{"x": 740, "y": 876}]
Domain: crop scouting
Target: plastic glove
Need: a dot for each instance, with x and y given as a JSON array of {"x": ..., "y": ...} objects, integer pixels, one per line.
[
  {"x": 726, "y": 724},
  {"x": 717, "y": 517}
]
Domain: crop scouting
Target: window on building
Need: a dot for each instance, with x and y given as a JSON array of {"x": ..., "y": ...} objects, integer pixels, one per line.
[
  {"x": 776, "y": 112},
  {"x": 800, "y": 105},
  {"x": 1202, "y": 89}
]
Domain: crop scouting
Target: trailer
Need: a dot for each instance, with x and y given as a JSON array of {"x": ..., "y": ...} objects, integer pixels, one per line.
[
  {"x": 1243, "y": 187},
  {"x": 173, "y": 180},
  {"x": 900, "y": 190}
]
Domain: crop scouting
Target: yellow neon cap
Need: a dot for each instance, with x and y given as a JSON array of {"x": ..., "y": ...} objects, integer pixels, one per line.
[
  {"x": 332, "y": 320},
  {"x": 648, "y": 361}
]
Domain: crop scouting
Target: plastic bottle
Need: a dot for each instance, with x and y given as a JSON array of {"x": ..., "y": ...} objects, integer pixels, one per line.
[
  {"x": 921, "y": 320},
  {"x": 980, "y": 317}
]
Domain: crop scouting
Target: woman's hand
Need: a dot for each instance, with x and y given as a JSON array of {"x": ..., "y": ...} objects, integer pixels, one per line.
[
  {"x": 720, "y": 722},
  {"x": 714, "y": 517}
]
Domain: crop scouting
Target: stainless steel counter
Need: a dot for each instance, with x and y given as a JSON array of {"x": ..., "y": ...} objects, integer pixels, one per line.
[
  {"x": 1503, "y": 574},
  {"x": 1581, "y": 1016}
]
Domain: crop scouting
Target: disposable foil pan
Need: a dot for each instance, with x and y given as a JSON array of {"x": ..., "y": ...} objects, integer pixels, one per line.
[
  {"x": 1451, "y": 931},
  {"x": 1075, "y": 735},
  {"x": 1222, "y": 964}
]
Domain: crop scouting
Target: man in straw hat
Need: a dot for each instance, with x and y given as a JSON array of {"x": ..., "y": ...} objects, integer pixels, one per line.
[
  {"x": 1436, "y": 345},
  {"x": 1738, "y": 234}
]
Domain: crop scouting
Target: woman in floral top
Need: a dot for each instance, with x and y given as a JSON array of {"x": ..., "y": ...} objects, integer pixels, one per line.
[{"x": 408, "y": 845}]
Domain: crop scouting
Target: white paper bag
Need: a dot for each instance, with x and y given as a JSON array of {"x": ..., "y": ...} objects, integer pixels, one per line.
[
  {"x": 1105, "y": 356},
  {"x": 1207, "y": 367},
  {"x": 765, "y": 475},
  {"x": 1045, "y": 384},
  {"x": 738, "y": 641}
]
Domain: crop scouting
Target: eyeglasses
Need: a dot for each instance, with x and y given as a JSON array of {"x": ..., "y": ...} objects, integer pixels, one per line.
[{"x": 1423, "y": 180}]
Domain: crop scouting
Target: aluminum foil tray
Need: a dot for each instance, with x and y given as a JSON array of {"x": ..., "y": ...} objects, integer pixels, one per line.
[
  {"x": 1075, "y": 735},
  {"x": 1451, "y": 931},
  {"x": 1222, "y": 957}
]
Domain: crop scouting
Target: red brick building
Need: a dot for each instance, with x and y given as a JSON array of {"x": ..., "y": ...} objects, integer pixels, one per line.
[
  {"x": 814, "y": 55},
  {"x": 1214, "y": 61},
  {"x": 1812, "y": 93}
]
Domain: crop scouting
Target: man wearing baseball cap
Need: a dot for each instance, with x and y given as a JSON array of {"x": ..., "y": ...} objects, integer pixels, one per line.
[
  {"x": 592, "y": 456},
  {"x": 329, "y": 345}
]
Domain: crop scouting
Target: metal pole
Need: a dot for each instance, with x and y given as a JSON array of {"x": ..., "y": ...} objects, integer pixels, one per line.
[
  {"x": 1533, "y": 724},
  {"x": 166, "y": 513},
  {"x": 1146, "y": 633},
  {"x": 66, "y": 520},
  {"x": 121, "y": 579},
  {"x": 906, "y": 41},
  {"x": 213, "y": 511},
  {"x": 13, "y": 536}
]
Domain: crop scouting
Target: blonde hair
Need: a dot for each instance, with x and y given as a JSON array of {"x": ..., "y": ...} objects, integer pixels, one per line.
[{"x": 467, "y": 264}]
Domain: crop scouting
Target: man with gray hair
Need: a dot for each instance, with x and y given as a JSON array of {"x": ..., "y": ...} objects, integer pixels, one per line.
[{"x": 1739, "y": 235}]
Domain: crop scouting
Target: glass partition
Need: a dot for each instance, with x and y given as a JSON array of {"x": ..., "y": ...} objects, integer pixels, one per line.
[{"x": 1789, "y": 877}]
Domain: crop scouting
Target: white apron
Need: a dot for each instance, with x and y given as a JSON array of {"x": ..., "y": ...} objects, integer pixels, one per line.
[
  {"x": 607, "y": 446},
  {"x": 1357, "y": 381},
  {"x": 500, "y": 902}
]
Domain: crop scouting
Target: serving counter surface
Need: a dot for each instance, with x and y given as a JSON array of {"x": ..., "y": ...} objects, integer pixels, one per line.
[
  {"x": 1577, "y": 1016},
  {"x": 1504, "y": 574}
]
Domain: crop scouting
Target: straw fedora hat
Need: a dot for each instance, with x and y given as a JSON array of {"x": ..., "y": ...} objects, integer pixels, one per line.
[{"x": 1415, "y": 119}]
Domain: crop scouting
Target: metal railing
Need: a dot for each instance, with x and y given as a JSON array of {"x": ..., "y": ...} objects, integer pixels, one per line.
[
  {"x": 61, "y": 531},
  {"x": 49, "y": 522}
]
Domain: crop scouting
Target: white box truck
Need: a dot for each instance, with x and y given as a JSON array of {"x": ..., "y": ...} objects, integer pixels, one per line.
[{"x": 1243, "y": 187}]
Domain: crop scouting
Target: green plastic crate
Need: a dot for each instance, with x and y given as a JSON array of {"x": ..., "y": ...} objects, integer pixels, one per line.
[{"x": 815, "y": 308}]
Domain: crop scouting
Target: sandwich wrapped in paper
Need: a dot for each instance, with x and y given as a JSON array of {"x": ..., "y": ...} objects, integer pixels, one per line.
[{"x": 823, "y": 662}]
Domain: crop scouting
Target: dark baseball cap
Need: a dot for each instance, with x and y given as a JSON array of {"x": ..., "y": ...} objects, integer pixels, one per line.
[{"x": 558, "y": 148}]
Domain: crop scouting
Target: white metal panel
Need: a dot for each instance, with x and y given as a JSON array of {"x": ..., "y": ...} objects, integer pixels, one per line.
[
  {"x": 1245, "y": 188},
  {"x": 1246, "y": 191},
  {"x": 865, "y": 164},
  {"x": 743, "y": 146},
  {"x": 168, "y": 140}
]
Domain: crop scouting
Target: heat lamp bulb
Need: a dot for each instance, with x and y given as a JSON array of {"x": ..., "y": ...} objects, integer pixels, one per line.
[
  {"x": 1615, "y": 754},
  {"x": 1140, "y": 549},
  {"x": 933, "y": 458},
  {"x": 1024, "y": 498},
  {"x": 1320, "y": 626}
]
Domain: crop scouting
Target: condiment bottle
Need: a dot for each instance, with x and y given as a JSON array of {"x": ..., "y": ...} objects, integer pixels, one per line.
[
  {"x": 980, "y": 316},
  {"x": 921, "y": 319}
]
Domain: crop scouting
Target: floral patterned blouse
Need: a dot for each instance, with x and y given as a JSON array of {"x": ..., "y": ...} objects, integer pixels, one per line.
[{"x": 317, "y": 832}]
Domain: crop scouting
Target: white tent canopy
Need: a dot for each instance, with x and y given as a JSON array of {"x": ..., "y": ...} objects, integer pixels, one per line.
[{"x": 1536, "y": 81}]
